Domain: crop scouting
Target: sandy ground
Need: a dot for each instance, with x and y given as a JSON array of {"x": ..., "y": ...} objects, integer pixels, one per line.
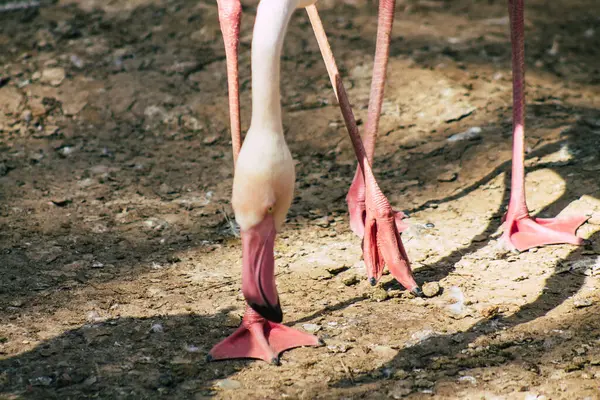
[{"x": 119, "y": 264}]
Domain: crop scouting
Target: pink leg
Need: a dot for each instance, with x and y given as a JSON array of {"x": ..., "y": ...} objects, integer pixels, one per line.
[
  {"x": 261, "y": 339},
  {"x": 356, "y": 194},
  {"x": 382, "y": 244},
  {"x": 230, "y": 14},
  {"x": 520, "y": 230}
]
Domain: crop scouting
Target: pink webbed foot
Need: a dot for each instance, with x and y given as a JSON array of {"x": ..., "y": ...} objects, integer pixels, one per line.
[
  {"x": 525, "y": 233},
  {"x": 261, "y": 339},
  {"x": 382, "y": 243},
  {"x": 357, "y": 208}
]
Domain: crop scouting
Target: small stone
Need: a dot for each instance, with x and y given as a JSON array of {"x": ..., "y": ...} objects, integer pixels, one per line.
[
  {"x": 211, "y": 139},
  {"x": 431, "y": 289},
  {"x": 490, "y": 312},
  {"x": 26, "y": 116},
  {"x": 156, "y": 328},
  {"x": 97, "y": 264},
  {"x": 41, "y": 381},
  {"x": 338, "y": 347},
  {"x": 53, "y": 76},
  {"x": 424, "y": 383},
  {"x": 573, "y": 366},
  {"x": 384, "y": 351},
  {"x": 395, "y": 293},
  {"x": 468, "y": 379},
  {"x": 319, "y": 274},
  {"x": 76, "y": 61},
  {"x": 379, "y": 294},
  {"x": 93, "y": 316},
  {"x": 448, "y": 176},
  {"x": 482, "y": 237},
  {"x": 16, "y": 303},
  {"x": 228, "y": 384},
  {"x": 350, "y": 280},
  {"x": 470, "y": 134},
  {"x": 401, "y": 389},
  {"x": 337, "y": 269},
  {"x": 232, "y": 320},
  {"x": 582, "y": 303},
  {"x": 312, "y": 328}
]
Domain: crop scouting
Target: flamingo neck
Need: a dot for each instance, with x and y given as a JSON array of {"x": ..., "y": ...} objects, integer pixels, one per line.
[{"x": 271, "y": 23}]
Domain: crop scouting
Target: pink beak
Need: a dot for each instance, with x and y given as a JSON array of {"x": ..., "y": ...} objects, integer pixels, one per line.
[{"x": 258, "y": 270}]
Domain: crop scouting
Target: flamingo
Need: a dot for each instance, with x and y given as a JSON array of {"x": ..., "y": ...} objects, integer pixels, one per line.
[{"x": 264, "y": 173}]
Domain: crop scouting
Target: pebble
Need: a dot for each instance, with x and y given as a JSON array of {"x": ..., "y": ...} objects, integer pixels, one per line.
[
  {"x": 468, "y": 379},
  {"x": 228, "y": 384},
  {"x": 470, "y": 134},
  {"x": 448, "y": 176},
  {"x": 157, "y": 328},
  {"x": 490, "y": 312},
  {"x": 16, "y": 303},
  {"x": 350, "y": 280},
  {"x": 312, "y": 328},
  {"x": 401, "y": 389},
  {"x": 93, "y": 316},
  {"x": 384, "y": 351},
  {"x": 76, "y": 61},
  {"x": 41, "y": 381},
  {"x": 319, "y": 274},
  {"x": 431, "y": 289},
  {"x": 582, "y": 303},
  {"x": 379, "y": 294},
  {"x": 339, "y": 347},
  {"x": 212, "y": 139},
  {"x": 53, "y": 76}
]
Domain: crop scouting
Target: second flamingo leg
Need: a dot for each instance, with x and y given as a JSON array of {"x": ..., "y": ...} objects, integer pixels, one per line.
[
  {"x": 357, "y": 191},
  {"x": 382, "y": 243},
  {"x": 522, "y": 232}
]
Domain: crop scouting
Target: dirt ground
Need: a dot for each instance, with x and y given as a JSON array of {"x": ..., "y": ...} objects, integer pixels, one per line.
[{"x": 119, "y": 259}]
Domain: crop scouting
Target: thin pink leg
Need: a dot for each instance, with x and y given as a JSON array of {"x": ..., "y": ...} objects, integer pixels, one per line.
[
  {"x": 382, "y": 244},
  {"x": 258, "y": 338},
  {"x": 356, "y": 194},
  {"x": 230, "y": 15},
  {"x": 520, "y": 230}
]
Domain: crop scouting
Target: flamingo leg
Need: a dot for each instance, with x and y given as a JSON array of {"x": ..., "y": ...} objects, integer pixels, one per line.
[
  {"x": 357, "y": 191},
  {"x": 230, "y": 15},
  {"x": 522, "y": 232},
  {"x": 382, "y": 244}
]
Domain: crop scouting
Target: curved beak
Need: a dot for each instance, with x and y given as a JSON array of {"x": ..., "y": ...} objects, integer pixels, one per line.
[{"x": 258, "y": 269}]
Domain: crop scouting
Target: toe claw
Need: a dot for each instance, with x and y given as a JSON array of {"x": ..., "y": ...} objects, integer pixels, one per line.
[
  {"x": 275, "y": 361},
  {"x": 321, "y": 342},
  {"x": 417, "y": 292},
  {"x": 372, "y": 281},
  {"x": 209, "y": 358}
]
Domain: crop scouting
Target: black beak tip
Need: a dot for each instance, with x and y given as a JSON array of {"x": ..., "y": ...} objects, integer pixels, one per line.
[
  {"x": 373, "y": 281},
  {"x": 268, "y": 311}
]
